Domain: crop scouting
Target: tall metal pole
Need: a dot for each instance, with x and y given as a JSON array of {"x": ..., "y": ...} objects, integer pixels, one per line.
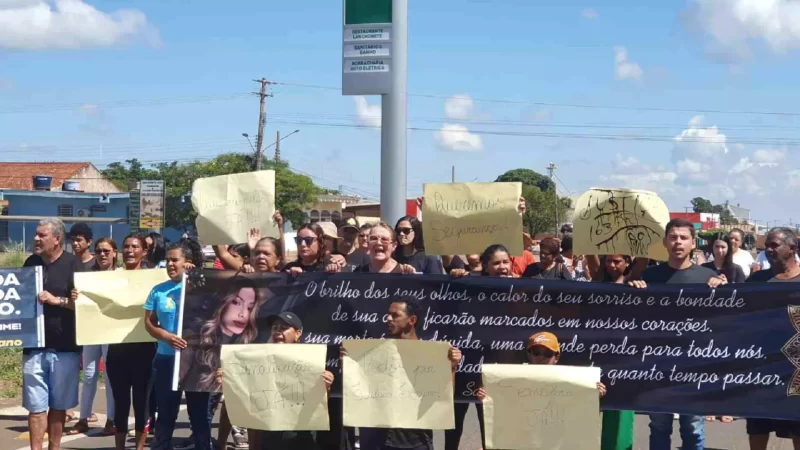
[{"x": 394, "y": 121}]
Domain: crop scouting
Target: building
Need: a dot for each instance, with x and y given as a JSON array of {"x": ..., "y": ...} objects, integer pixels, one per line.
[
  {"x": 701, "y": 221},
  {"x": 73, "y": 192},
  {"x": 330, "y": 208},
  {"x": 371, "y": 211},
  {"x": 738, "y": 213},
  {"x": 20, "y": 176}
]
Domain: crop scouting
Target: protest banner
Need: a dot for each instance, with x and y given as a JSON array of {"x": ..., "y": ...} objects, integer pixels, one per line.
[
  {"x": 672, "y": 349},
  {"x": 21, "y": 316},
  {"x": 228, "y": 206},
  {"x": 539, "y": 406},
  {"x": 465, "y": 218},
  {"x": 109, "y": 309},
  {"x": 397, "y": 383},
  {"x": 620, "y": 222},
  {"x": 275, "y": 387}
]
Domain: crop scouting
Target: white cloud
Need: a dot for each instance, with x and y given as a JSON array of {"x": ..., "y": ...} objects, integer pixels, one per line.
[
  {"x": 368, "y": 115},
  {"x": 457, "y": 138},
  {"x": 705, "y": 164},
  {"x": 625, "y": 69},
  {"x": 459, "y": 107},
  {"x": 68, "y": 24},
  {"x": 732, "y": 26},
  {"x": 590, "y": 14},
  {"x": 90, "y": 109}
]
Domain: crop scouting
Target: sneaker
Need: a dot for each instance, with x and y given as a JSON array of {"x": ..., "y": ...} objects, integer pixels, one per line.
[{"x": 240, "y": 441}]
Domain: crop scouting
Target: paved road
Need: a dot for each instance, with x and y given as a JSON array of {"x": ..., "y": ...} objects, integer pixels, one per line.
[{"x": 13, "y": 433}]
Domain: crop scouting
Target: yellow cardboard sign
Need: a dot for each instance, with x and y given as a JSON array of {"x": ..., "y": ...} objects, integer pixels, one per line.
[
  {"x": 275, "y": 387},
  {"x": 465, "y": 218},
  {"x": 620, "y": 222},
  {"x": 228, "y": 206},
  {"x": 109, "y": 309},
  {"x": 541, "y": 407},
  {"x": 396, "y": 383}
]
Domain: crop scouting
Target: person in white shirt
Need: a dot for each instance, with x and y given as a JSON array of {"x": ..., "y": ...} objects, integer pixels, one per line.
[{"x": 741, "y": 257}]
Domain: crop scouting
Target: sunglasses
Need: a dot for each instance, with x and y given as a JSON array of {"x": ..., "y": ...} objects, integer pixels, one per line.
[
  {"x": 307, "y": 239},
  {"x": 404, "y": 231},
  {"x": 541, "y": 352},
  {"x": 382, "y": 240}
]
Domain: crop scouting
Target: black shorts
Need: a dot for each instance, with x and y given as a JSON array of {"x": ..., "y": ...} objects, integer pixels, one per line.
[{"x": 781, "y": 428}]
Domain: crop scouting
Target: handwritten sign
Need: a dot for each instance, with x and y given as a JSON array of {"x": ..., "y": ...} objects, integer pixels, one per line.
[
  {"x": 465, "y": 218},
  {"x": 397, "y": 384},
  {"x": 109, "y": 309},
  {"x": 620, "y": 222},
  {"x": 275, "y": 387},
  {"x": 541, "y": 407},
  {"x": 228, "y": 206}
]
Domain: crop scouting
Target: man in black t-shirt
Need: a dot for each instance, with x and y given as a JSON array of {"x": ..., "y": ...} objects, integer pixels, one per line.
[
  {"x": 348, "y": 246},
  {"x": 50, "y": 375},
  {"x": 781, "y": 247},
  {"x": 679, "y": 239},
  {"x": 401, "y": 324}
]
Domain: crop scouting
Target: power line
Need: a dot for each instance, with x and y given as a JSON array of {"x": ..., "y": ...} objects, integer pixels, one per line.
[
  {"x": 123, "y": 103},
  {"x": 577, "y": 105}
]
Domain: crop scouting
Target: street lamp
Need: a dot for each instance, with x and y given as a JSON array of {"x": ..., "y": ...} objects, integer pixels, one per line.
[{"x": 247, "y": 136}]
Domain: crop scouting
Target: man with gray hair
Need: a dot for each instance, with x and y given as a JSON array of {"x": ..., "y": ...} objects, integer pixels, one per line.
[
  {"x": 781, "y": 249},
  {"x": 50, "y": 374}
]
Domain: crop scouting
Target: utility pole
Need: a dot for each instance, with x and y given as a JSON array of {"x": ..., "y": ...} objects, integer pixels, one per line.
[
  {"x": 551, "y": 169},
  {"x": 262, "y": 118},
  {"x": 278, "y": 147},
  {"x": 453, "y": 175}
]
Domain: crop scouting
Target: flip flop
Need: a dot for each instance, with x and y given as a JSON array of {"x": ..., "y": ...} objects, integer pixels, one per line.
[
  {"x": 80, "y": 428},
  {"x": 92, "y": 418}
]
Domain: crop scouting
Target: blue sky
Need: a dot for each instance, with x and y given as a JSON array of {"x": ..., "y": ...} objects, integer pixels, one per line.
[{"x": 600, "y": 88}]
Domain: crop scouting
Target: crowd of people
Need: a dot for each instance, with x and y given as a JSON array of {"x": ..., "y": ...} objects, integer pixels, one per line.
[{"x": 140, "y": 375}]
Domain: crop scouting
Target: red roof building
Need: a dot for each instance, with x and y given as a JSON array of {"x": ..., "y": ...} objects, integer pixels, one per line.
[{"x": 19, "y": 176}]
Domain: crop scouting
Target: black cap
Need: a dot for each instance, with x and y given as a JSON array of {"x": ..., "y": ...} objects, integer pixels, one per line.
[
  {"x": 290, "y": 318},
  {"x": 350, "y": 223}
]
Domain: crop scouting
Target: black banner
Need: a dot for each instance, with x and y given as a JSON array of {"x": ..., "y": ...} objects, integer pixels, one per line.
[
  {"x": 21, "y": 320},
  {"x": 671, "y": 348}
]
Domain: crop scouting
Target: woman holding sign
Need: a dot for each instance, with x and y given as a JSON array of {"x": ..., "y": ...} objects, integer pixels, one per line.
[
  {"x": 129, "y": 366},
  {"x": 310, "y": 252}
]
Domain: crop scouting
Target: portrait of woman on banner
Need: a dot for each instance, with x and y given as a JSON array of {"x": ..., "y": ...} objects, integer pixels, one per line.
[{"x": 227, "y": 317}]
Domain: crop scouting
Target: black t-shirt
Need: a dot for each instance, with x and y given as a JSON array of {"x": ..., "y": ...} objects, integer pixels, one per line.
[
  {"x": 422, "y": 263},
  {"x": 88, "y": 266},
  {"x": 767, "y": 276},
  {"x": 456, "y": 263},
  {"x": 365, "y": 269},
  {"x": 738, "y": 273},
  {"x": 59, "y": 280},
  {"x": 355, "y": 260},
  {"x": 664, "y": 274},
  {"x": 557, "y": 272},
  {"x": 317, "y": 267}
]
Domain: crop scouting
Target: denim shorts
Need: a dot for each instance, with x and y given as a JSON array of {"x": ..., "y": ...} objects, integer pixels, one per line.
[{"x": 50, "y": 380}]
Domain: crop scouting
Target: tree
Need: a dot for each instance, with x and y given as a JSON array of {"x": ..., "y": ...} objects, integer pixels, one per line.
[
  {"x": 702, "y": 205},
  {"x": 528, "y": 177},
  {"x": 293, "y": 192},
  {"x": 540, "y": 214}
]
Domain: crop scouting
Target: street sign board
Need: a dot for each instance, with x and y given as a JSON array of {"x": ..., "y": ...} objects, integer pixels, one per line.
[
  {"x": 133, "y": 213},
  {"x": 367, "y": 47},
  {"x": 151, "y": 204}
]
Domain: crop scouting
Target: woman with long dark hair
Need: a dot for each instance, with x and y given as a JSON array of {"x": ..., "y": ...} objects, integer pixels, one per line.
[
  {"x": 722, "y": 262},
  {"x": 411, "y": 248},
  {"x": 130, "y": 366},
  {"x": 156, "y": 251},
  {"x": 741, "y": 257},
  {"x": 311, "y": 252}
]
